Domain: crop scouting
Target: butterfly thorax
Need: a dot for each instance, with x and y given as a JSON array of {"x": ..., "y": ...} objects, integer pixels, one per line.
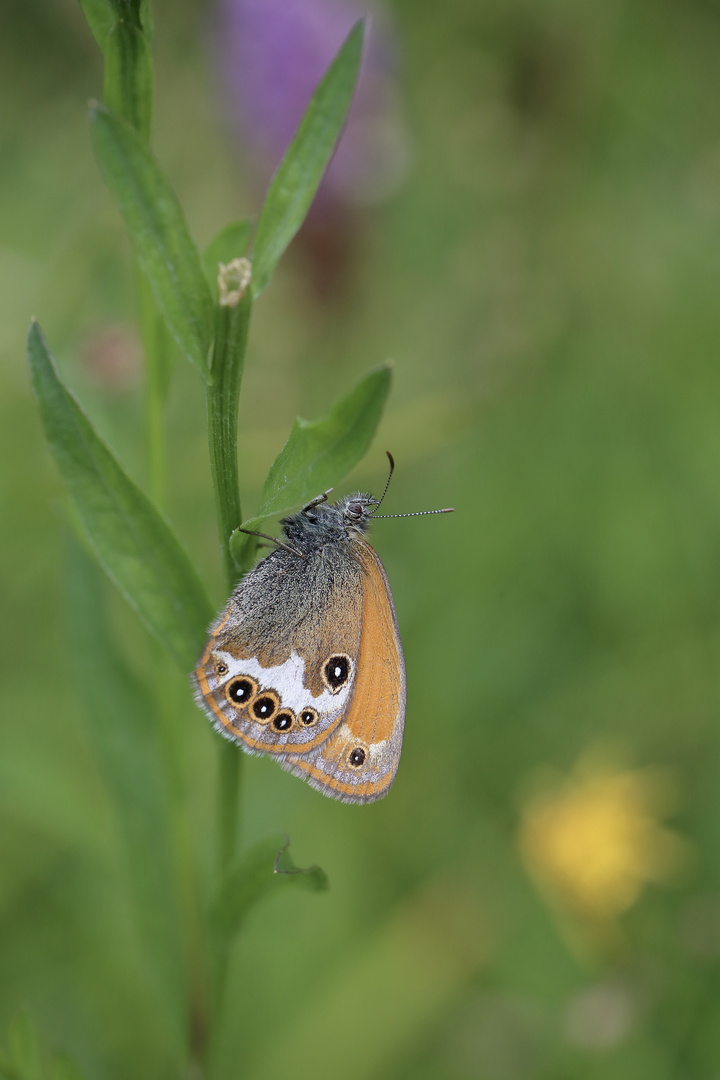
[{"x": 328, "y": 523}]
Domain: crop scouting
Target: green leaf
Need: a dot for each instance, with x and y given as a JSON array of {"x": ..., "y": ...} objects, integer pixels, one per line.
[
  {"x": 161, "y": 355},
  {"x": 101, "y": 17},
  {"x": 265, "y": 868},
  {"x": 298, "y": 177},
  {"x": 124, "y": 730},
  {"x": 319, "y": 453},
  {"x": 230, "y": 243},
  {"x": 158, "y": 231},
  {"x": 132, "y": 540}
]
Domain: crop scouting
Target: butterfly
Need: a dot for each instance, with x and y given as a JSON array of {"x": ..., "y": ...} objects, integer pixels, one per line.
[{"x": 305, "y": 663}]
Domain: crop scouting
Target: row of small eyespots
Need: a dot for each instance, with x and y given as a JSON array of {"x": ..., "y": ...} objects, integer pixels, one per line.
[
  {"x": 243, "y": 693},
  {"x": 264, "y": 706}
]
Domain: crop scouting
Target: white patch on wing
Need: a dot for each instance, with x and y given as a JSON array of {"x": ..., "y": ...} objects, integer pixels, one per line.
[
  {"x": 376, "y": 753},
  {"x": 287, "y": 679}
]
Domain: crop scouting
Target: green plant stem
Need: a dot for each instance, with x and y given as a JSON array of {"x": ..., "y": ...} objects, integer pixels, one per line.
[
  {"x": 229, "y": 775},
  {"x": 128, "y": 83},
  {"x": 223, "y": 395}
]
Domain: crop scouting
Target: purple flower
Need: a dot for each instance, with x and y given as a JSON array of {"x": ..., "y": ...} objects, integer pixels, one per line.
[{"x": 273, "y": 54}]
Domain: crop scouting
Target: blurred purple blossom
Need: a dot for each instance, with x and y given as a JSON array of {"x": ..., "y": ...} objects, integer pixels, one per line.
[{"x": 273, "y": 53}]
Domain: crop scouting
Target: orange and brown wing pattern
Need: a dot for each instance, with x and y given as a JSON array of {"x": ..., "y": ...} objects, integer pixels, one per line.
[
  {"x": 357, "y": 762},
  {"x": 280, "y": 664}
]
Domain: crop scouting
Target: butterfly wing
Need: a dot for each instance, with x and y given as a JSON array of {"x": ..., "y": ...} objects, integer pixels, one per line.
[
  {"x": 280, "y": 664},
  {"x": 358, "y": 760}
]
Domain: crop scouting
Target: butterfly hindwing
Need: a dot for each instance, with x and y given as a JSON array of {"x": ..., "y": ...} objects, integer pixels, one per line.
[{"x": 358, "y": 760}]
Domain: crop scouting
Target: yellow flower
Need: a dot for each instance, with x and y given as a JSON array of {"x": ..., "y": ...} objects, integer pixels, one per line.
[{"x": 592, "y": 842}]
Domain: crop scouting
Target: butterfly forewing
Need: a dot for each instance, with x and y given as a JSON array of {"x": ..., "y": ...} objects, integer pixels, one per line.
[{"x": 280, "y": 665}]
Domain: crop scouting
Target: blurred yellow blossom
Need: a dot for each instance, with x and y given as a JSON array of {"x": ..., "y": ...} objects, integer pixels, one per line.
[{"x": 593, "y": 841}]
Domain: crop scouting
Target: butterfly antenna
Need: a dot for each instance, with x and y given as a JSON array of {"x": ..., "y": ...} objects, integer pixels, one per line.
[
  {"x": 387, "y": 484},
  {"x": 418, "y": 513}
]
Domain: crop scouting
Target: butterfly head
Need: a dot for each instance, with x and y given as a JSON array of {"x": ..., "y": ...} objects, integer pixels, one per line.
[{"x": 346, "y": 519}]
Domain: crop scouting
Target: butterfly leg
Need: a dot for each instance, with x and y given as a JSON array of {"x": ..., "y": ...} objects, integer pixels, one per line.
[
  {"x": 317, "y": 500},
  {"x": 250, "y": 532}
]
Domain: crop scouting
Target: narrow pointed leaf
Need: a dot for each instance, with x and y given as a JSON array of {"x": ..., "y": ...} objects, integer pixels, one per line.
[
  {"x": 298, "y": 177},
  {"x": 319, "y": 453},
  {"x": 158, "y": 231},
  {"x": 123, "y": 730},
  {"x": 101, "y": 17},
  {"x": 132, "y": 540},
  {"x": 265, "y": 868}
]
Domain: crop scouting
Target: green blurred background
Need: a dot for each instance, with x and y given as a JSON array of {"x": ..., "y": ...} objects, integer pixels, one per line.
[{"x": 539, "y": 896}]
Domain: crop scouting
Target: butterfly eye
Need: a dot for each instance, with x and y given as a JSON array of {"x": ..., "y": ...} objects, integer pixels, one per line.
[
  {"x": 283, "y": 721},
  {"x": 336, "y": 672},
  {"x": 265, "y": 706},
  {"x": 356, "y": 757},
  {"x": 308, "y": 717},
  {"x": 355, "y": 509},
  {"x": 240, "y": 691}
]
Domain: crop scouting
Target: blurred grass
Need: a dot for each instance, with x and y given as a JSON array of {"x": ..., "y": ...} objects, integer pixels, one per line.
[{"x": 546, "y": 284}]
